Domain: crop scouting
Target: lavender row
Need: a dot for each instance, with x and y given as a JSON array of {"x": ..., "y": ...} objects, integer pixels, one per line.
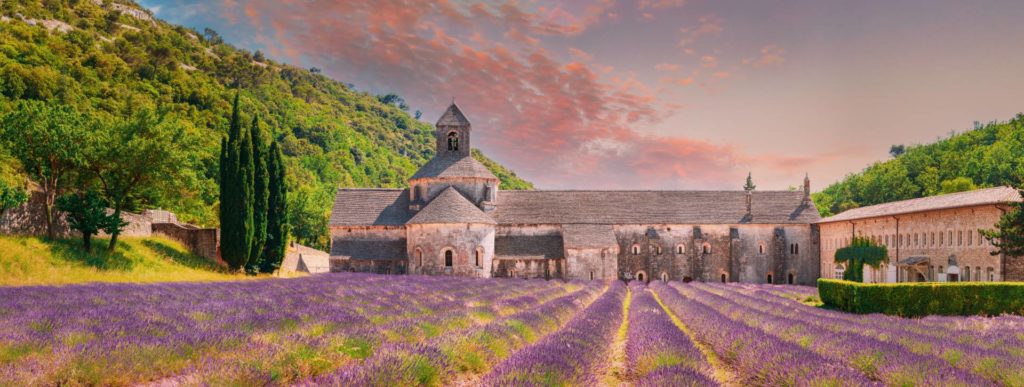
[
  {"x": 754, "y": 357},
  {"x": 571, "y": 356},
  {"x": 443, "y": 358},
  {"x": 657, "y": 351},
  {"x": 251, "y": 330},
  {"x": 998, "y": 365},
  {"x": 882, "y": 361}
]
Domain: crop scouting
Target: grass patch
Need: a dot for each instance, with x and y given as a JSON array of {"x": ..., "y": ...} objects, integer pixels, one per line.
[{"x": 35, "y": 261}]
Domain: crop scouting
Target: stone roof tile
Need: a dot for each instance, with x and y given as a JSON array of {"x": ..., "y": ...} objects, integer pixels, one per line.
[
  {"x": 369, "y": 249},
  {"x": 528, "y": 247},
  {"x": 450, "y": 207},
  {"x": 452, "y": 117},
  {"x": 453, "y": 165},
  {"x": 995, "y": 195},
  {"x": 370, "y": 207},
  {"x": 652, "y": 207}
]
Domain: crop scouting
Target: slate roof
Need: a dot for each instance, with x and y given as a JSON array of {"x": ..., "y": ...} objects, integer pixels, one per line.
[
  {"x": 652, "y": 207},
  {"x": 452, "y": 117},
  {"x": 528, "y": 247},
  {"x": 995, "y": 195},
  {"x": 370, "y": 207},
  {"x": 450, "y": 207},
  {"x": 389, "y": 207},
  {"x": 369, "y": 249},
  {"x": 588, "y": 236},
  {"x": 453, "y": 165}
]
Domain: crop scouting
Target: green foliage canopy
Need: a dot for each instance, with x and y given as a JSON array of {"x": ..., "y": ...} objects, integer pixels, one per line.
[
  {"x": 987, "y": 156},
  {"x": 860, "y": 252},
  {"x": 1008, "y": 236}
]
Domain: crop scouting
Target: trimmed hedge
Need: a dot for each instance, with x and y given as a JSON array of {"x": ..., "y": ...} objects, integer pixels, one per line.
[{"x": 917, "y": 299}]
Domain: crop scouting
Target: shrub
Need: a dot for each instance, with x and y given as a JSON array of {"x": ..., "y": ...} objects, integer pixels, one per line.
[{"x": 924, "y": 298}]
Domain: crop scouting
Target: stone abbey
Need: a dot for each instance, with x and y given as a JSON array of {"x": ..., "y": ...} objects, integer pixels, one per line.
[{"x": 454, "y": 220}]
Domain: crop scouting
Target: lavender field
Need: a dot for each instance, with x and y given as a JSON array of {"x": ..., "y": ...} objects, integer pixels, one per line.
[{"x": 360, "y": 329}]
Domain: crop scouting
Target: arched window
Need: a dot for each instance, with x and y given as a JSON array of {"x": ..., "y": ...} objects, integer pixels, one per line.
[
  {"x": 664, "y": 277},
  {"x": 636, "y": 249},
  {"x": 591, "y": 275},
  {"x": 511, "y": 274},
  {"x": 680, "y": 248},
  {"x": 477, "y": 256},
  {"x": 453, "y": 141},
  {"x": 760, "y": 248},
  {"x": 658, "y": 249},
  {"x": 967, "y": 273},
  {"x": 991, "y": 274},
  {"x": 977, "y": 273},
  {"x": 970, "y": 237},
  {"x": 448, "y": 258},
  {"x": 706, "y": 248},
  {"x": 419, "y": 257}
]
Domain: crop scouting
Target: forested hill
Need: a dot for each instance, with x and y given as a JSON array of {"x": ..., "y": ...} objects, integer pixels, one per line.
[
  {"x": 987, "y": 156},
  {"x": 111, "y": 58}
]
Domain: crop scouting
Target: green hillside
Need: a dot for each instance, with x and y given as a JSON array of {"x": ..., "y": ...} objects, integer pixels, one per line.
[
  {"x": 110, "y": 60},
  {"x": 34, "y": 261},
  {"x": 987, "y": 156}
]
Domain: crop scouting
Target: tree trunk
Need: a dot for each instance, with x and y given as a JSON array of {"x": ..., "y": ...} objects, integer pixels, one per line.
[
  {"x": 87, "y": 242},
  {"x": 117, "y": 230},
  {"x": 51, "y": 197}
]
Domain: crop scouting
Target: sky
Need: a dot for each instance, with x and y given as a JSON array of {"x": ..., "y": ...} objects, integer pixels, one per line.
[{"x": 659, "y": 94}]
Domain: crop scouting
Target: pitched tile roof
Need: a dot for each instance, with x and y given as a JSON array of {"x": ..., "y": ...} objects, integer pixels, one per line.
[
  {"x": 452, "y": 116},
  {"x": 450, "y": 207},
  {"x": 369, "y": 249},
  {"x": 453, "y": 165},
  {"x": 388, "y": 207},
  {"x": 589, "y": 236},
  {"x": 528, "y": 247},
  {"x": 977, "y": 197},
  {"x": 370, "y": 207},
  {"x": 652, "y": 207}
]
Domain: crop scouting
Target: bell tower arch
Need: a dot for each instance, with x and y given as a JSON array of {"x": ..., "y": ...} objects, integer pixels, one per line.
[{"x": 452, "y": 133}]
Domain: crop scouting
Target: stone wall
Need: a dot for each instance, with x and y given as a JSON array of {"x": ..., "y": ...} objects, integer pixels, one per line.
[
  {"x": 944, "y": 236},
  {"x": 471, "y": 245},
  {"x": 30, "y": 219},
  {"x": 203, "y": 242},
  {"x": 592, "y": 264}
]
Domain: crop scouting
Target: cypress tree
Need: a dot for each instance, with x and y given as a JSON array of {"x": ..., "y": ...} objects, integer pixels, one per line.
[
  {"x": 234, "y": 244},
  {"x": 259, "y": 197},
  {"x": 277, "y": 214},
  {"x": 246, "y": 177}
]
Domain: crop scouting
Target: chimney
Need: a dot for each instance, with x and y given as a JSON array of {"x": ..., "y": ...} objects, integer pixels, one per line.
[{"x": 807, "y": 189}]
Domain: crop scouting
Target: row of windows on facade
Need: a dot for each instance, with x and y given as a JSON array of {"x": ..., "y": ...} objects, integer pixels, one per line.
[
  {"x": 449, "y": 257},
  {"x": 989, "y": 274},
  {"x": 794, "y": 248},
  {"x": 919, "y": 239}
]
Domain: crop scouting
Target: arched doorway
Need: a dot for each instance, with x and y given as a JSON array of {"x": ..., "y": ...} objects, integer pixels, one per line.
[
  {"x": 664, "y": 277},
  {"x": 770, "y": 279},
  {"x": 641, "y": 276},
  {"x": 790, "y": 278},
  {"x": 724, "y": 278}
]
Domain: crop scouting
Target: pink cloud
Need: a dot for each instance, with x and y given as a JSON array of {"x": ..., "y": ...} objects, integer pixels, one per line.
[
  {"x": 706, "y": 25},
  {"x": 561, "y": 123},
  {"x": 770, "y": 55},
  {"x": 667, "y": 67}
]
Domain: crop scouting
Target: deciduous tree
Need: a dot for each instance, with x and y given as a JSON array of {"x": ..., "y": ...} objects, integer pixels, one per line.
[
  {"x": 48, "y": 141},
  {"x": 86, "y": 213}
]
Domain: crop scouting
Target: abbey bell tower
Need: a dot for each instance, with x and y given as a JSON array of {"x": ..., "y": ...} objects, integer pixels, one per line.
[{"x": 453, "y": 133}]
